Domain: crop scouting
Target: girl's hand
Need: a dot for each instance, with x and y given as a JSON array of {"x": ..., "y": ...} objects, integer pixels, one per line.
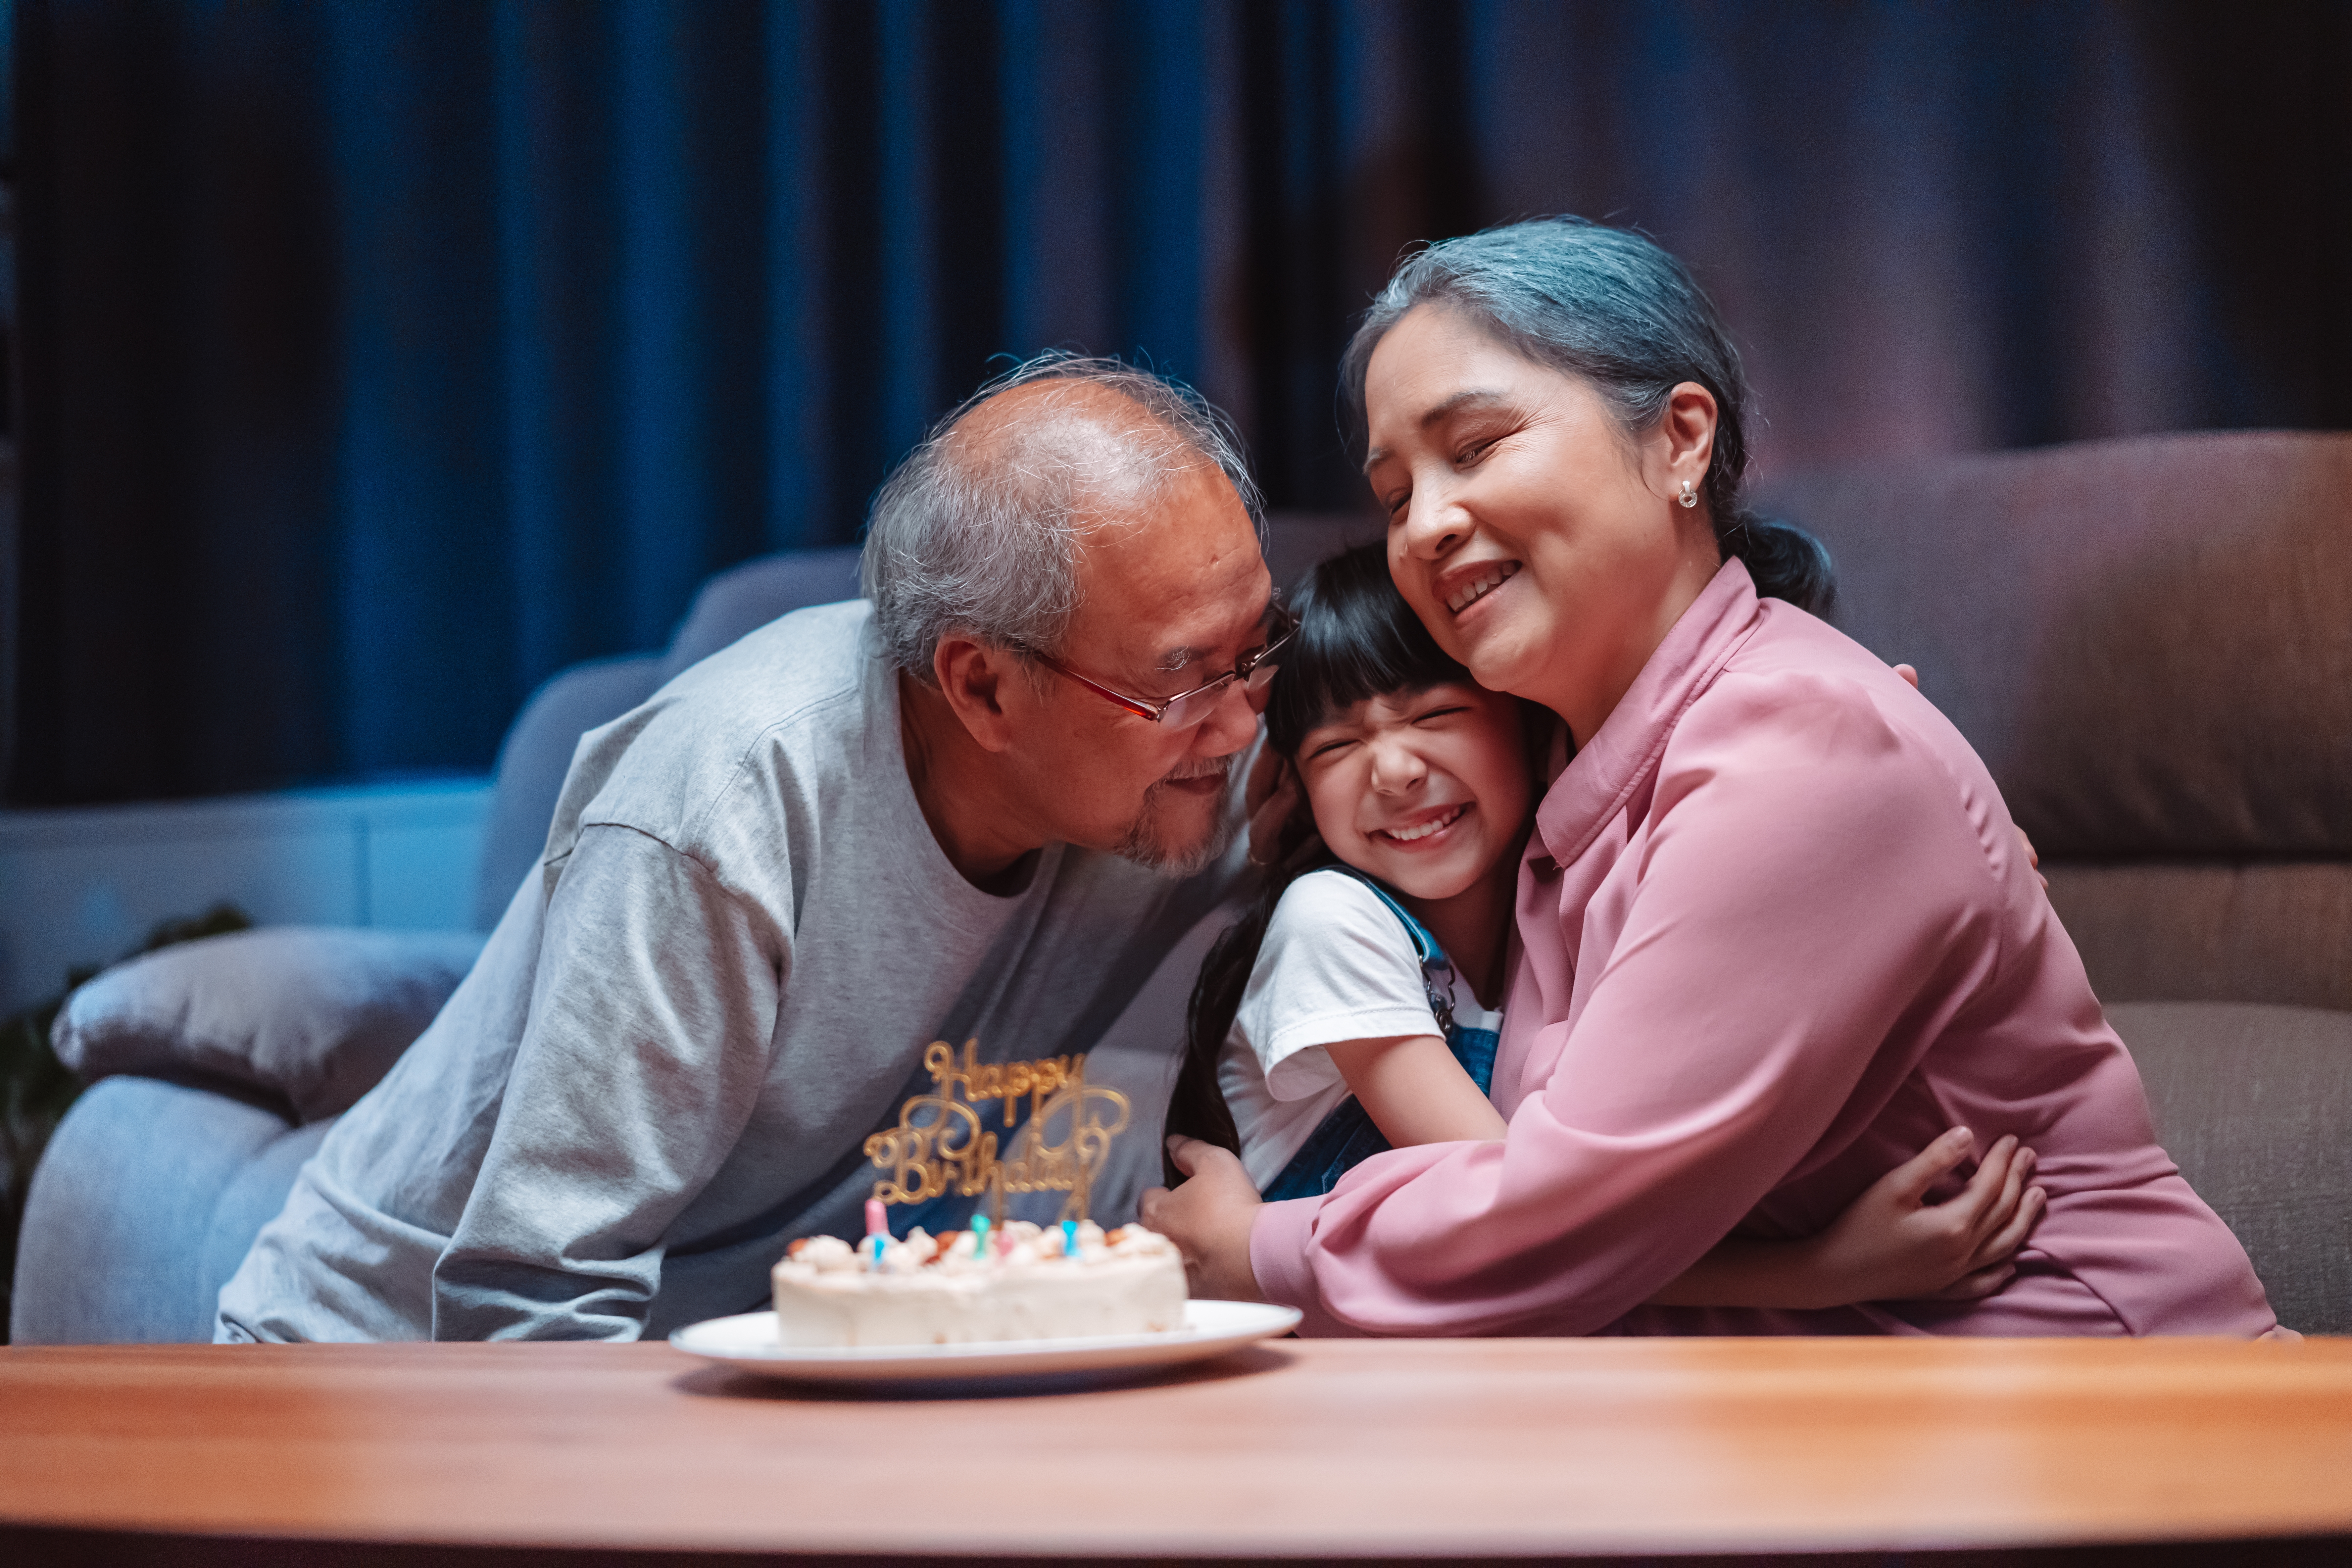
[
  {"x": 1892, "y": 1244},
  {"x": 1208, "y": 1217}
]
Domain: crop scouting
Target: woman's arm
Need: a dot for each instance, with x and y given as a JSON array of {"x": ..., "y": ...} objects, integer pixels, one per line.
[
  {"x": 1415, "y": 1090},
  {"x": 1890, "y": 1245}
]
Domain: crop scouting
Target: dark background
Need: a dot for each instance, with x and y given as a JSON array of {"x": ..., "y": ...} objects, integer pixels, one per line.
[{"x": 380, "y": 359}]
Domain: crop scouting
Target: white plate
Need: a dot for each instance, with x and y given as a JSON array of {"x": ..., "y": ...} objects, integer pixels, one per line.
[{"x": 748, "y": 1342}]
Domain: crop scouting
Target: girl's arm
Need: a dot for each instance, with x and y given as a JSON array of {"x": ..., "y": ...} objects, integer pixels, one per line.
[
  {"x": 1890, "y": 1244},
  {"x": 1415, "y": 1092}
]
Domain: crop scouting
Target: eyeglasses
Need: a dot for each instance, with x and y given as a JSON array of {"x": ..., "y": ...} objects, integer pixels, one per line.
[{"x": 1186, "y": 707}]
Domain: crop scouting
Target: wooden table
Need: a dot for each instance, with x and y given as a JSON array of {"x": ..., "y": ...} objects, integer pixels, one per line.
[{"x": 1395, "y": 1449}]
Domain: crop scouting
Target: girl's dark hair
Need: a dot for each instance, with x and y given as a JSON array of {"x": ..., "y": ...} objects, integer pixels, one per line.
[
  {"x": 1614, "y": 309},
  {"x": 1357, "y": 639}
]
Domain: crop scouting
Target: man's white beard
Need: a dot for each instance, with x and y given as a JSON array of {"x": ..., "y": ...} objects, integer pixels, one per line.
[{"x": 1145, "y": 846}]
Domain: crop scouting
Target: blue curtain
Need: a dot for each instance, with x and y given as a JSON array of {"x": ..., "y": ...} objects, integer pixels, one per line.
[{"x": 383, "y": 358}]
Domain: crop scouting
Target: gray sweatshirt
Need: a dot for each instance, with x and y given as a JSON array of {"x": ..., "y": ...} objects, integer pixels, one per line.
[{"x": 720, "y": 980}]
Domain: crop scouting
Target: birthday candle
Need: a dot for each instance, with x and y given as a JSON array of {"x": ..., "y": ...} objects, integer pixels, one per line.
[
  {"x": 1069, "y": 1238},
  {"x": 980, "y": 1237},
  {"x": 877, "y": 1221}
]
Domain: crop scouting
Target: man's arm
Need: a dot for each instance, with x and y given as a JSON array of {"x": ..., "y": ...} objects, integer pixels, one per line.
[{"x": 652, "y": 1021}]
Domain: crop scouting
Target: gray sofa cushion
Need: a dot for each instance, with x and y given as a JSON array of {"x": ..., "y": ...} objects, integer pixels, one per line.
[
  {"x": 2254, "y": 1103},
  {"x": 2260, "y": 932},
  {"x": 144, "y": 1204},
  {"x": 304, "y": 1017},
  {"x": 2146, "y": 640}
]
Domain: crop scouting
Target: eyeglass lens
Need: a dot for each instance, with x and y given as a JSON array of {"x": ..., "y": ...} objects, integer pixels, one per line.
[{"x": 1194, "y": 706}]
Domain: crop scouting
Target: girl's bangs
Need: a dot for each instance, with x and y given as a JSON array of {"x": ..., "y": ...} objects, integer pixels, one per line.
[{"x": 1357, "y": 639}]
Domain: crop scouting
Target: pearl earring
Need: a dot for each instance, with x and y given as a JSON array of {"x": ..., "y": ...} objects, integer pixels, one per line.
[{"x": 1689, "y": 496}]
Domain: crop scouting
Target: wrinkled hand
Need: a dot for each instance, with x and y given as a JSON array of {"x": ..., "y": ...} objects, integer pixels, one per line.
[
  {"x": 1278, "y": 821},
  {"x": 1208, "y": 1217},
  {"x": 1892, "y": 1244},
  {"x": 2032, "y": 857}
]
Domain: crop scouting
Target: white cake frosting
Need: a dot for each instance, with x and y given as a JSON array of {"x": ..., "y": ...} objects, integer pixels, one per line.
[{"x": 927, "y": 1290}]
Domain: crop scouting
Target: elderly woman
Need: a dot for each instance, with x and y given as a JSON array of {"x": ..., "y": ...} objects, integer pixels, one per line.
[{"x": 1778, "y": 932}]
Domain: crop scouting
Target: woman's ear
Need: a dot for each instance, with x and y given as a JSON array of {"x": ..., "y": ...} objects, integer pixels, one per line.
[{"x": 1682, "y": 445}]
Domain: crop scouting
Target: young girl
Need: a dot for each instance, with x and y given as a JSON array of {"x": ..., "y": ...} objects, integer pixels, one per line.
[{"x": 1354, "y": 1008}]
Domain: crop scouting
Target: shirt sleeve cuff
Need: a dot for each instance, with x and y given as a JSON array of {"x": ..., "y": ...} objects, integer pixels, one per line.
[{"x": 1279, "y": 1239}]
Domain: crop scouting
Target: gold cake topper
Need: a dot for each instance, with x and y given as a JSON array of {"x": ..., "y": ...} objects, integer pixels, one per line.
[{"x": 941, "y": 1143}]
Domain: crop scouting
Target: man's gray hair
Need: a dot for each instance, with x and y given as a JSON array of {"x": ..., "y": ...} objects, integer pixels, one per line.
[{"x": 982, "y": 533}]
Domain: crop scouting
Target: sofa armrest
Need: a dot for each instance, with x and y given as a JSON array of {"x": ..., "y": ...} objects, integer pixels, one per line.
[{"x": 308, "y": 1017}]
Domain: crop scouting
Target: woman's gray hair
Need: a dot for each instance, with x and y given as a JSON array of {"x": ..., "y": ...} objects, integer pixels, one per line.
[
  {"x": 1619, "y": 312},
  {"x": 984, "y": 534}
]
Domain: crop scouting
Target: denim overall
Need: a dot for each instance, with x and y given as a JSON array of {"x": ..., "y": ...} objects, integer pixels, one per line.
[{"x": 1348, "y": 1134}]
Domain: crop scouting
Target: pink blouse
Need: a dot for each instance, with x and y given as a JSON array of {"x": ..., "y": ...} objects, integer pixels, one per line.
[{"x": 1779, "y": 934}]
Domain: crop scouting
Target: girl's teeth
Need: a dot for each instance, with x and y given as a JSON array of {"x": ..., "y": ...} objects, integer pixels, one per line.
[{"x": 1409, "y": 834}]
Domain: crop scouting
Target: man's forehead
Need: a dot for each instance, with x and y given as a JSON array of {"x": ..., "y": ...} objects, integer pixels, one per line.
[
  {"x": 1174, "y": 632},
  {"x": 1180, "y": 580}
]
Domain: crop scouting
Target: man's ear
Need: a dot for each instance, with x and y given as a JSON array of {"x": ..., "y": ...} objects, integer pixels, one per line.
[{"x": 977, "y": 680}]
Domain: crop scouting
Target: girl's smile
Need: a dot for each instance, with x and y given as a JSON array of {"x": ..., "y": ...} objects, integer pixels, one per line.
[{"x": 1426, "y": 828}]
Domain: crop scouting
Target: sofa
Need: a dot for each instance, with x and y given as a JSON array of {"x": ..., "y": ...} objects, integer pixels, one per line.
[
  {"x": 218, "y": 1065},
  {"x": 2149, "y": 641}
]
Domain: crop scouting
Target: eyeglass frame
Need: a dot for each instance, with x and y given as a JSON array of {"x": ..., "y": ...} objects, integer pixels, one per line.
[{"x": 1244, "y": 671}]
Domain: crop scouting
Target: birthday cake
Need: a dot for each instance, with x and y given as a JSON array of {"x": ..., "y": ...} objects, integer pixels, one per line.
[{"x": 1023, "y": 1282}]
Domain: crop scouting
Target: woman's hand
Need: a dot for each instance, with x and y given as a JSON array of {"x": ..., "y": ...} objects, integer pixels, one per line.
[
  {"x": 1892, "y": 1244},
  {"x": 1208, "y": 1217}
]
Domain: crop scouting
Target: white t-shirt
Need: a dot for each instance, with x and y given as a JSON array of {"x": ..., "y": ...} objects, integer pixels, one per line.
[{"x": 1337, "y": 965}]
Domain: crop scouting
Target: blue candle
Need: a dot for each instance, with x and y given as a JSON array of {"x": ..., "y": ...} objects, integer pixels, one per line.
[
  {"x": 1069, "y": 1238},
  {"x": 980, "y": 1236}
]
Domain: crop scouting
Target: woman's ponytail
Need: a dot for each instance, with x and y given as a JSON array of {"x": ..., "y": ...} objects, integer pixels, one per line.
[{"x": 1786, "y": 561}]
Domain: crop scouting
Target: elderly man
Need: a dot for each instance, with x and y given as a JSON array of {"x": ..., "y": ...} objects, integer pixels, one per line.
[{"x": 983, "y": 805}]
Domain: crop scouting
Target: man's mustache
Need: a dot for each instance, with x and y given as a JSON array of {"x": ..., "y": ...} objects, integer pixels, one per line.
[{"x": 1208, "y": 768}]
